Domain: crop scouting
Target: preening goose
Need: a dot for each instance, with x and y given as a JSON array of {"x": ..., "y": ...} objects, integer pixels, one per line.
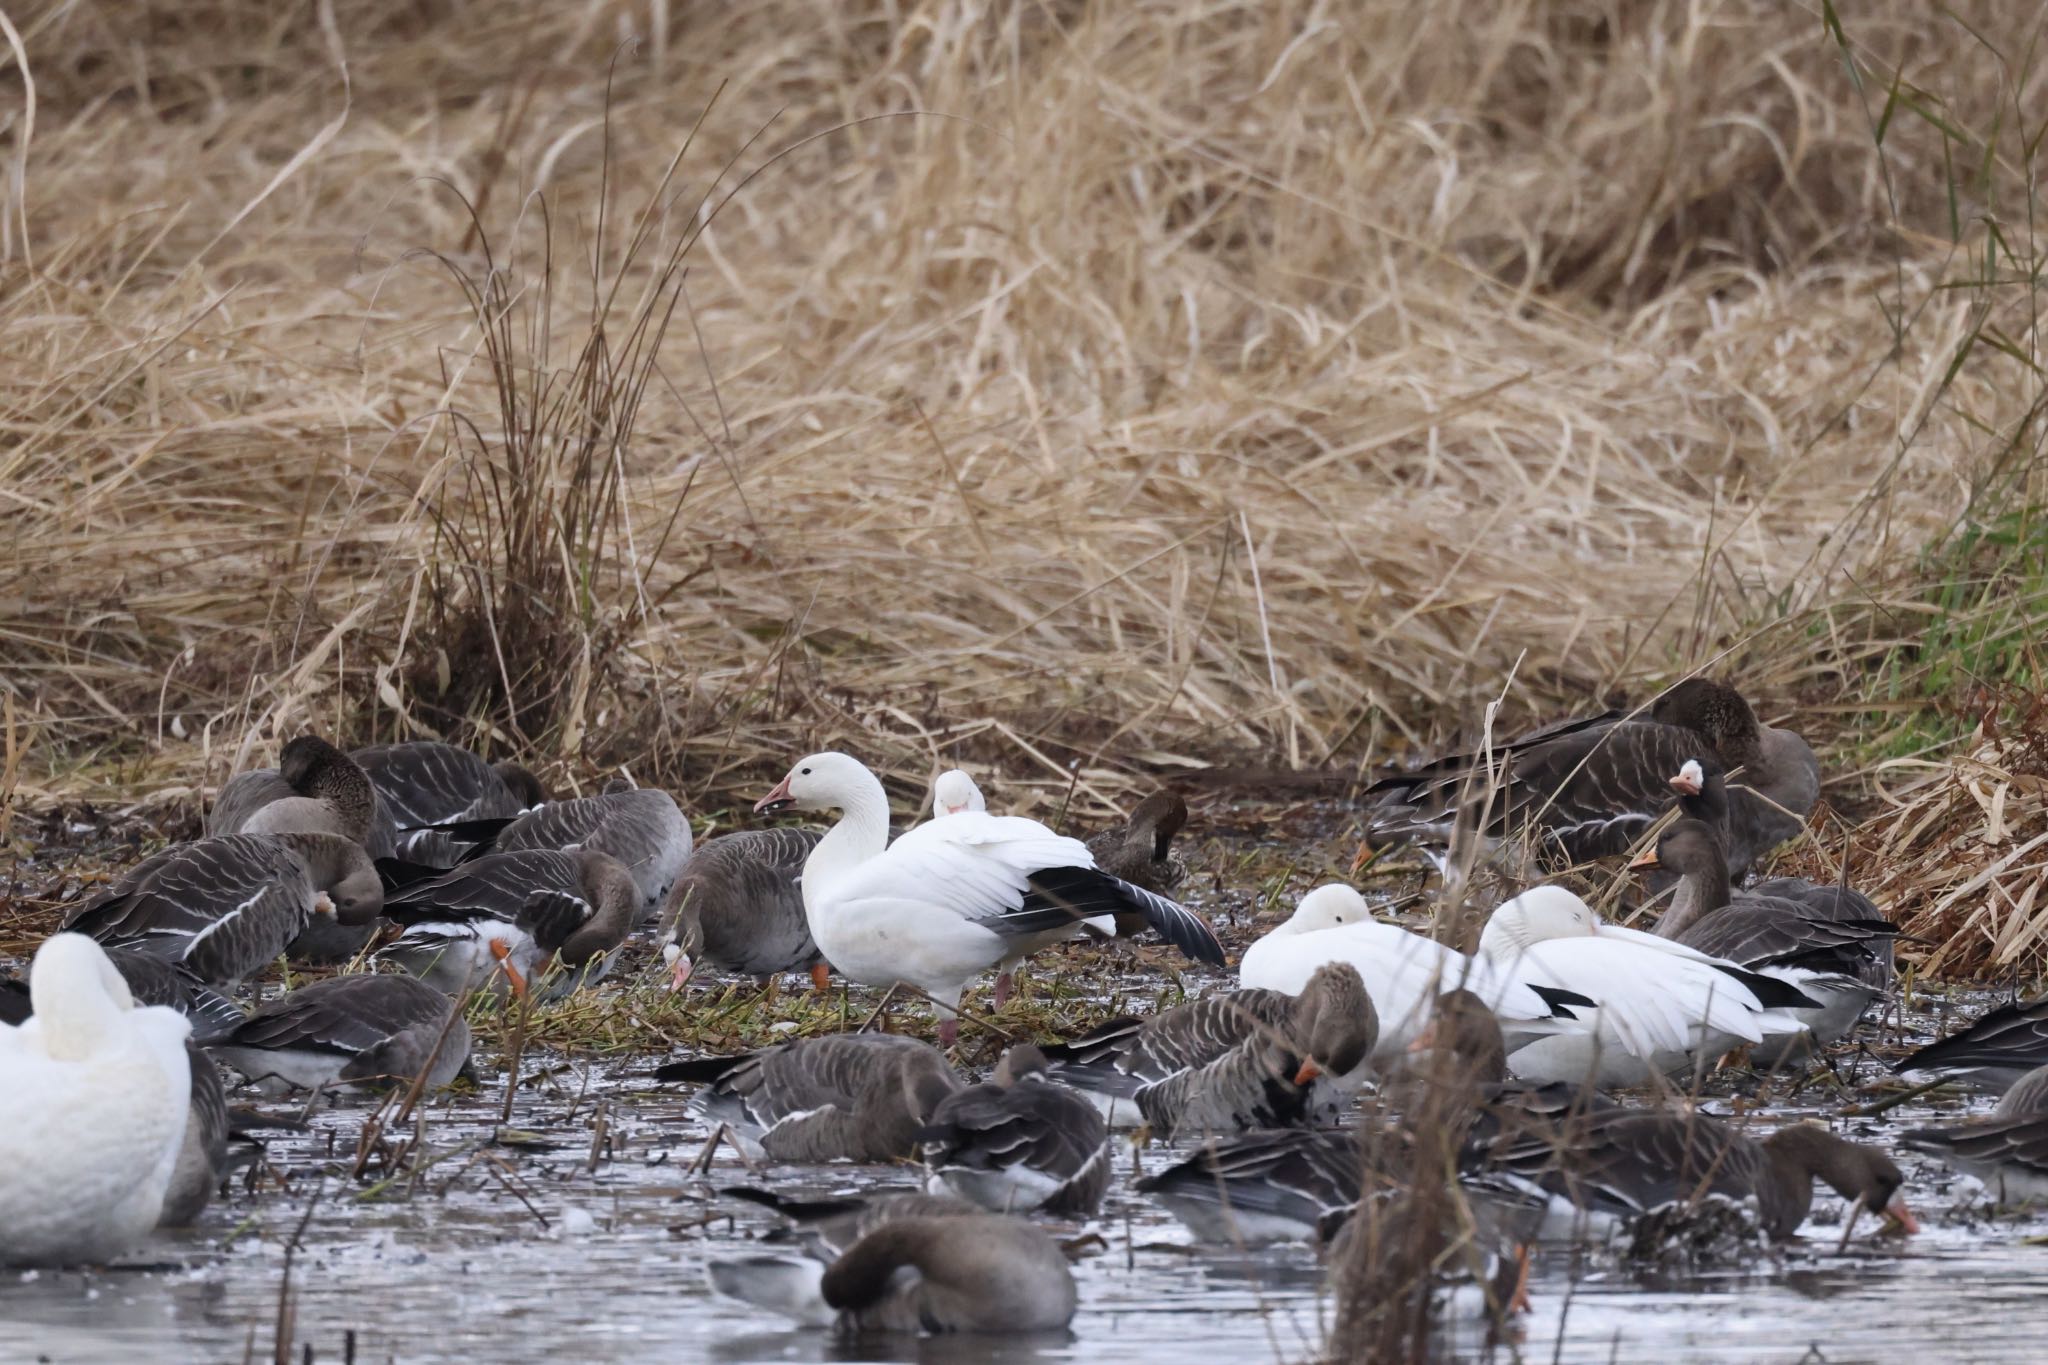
[
  {"x": 227, "y": 906},
  {"x": 1994, "y": 1053},
  {"x": 954, "y": 896},
  {"x": 982, "y": 1272},
  {"x": 1591, "y": 788},
  {"x": 642, "y": 828},
  {"x": 1247, "y": 1058},
  {"x": 315, "y": 788},
  {"x": 1020, "y": 1142},
  {"x": 1403, "y": 972},
  {"x": 1140, "y": 850},
  {"x": 826, "y": 1227},
  {"x": 2008, "y": 1151},
  {"x": 1663, "y": 1007},
  {"x": 1832, "y": 960},
  {"x": 738, "y": 904},
  {"x": 1618, "y": 1165},
  {"x": 98, "y": 1096},
  {"x": 1273, "y": 1185},
  {"x": 423, "y": 784},
  {"x": 369, "y": 1030},
  {"x": 509, "y": 923},
  {"x": 851, "y": 1096}
]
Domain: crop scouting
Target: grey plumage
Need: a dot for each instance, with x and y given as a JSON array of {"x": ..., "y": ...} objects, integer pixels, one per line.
[
  {"x": 315, "y": 788},
  {"x": 738, "y": 903},
  {"x": 1996, "y": 1052},
  {"x": 422, "y": 784},
  {"x": 203, "y": 1156},
  {"x": 1020, "y": 1142},
  {"x": 1140, "y": 850},
  {"x": 826, "y": 1227},
  {"x": 360, "y": 1028},
  {"x": 2008, "y": 1151},
  {"x": 643, "y": 829},
  {"x": 1275, "y": 1184}
]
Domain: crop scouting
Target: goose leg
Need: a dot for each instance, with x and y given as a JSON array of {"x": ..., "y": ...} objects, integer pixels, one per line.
[
  {"x": 821, "y": 977},
  {"x": 1005, "y": 986},
  {"x": 948, "y": 1005}
]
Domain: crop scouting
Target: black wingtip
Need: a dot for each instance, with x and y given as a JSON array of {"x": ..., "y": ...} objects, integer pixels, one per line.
[
  {"x": 798, "y": 1209},
  {"x": 1178, "y": 925},
  {"x": 1561, "y": 1001},
  {"x": 696, "y": 1070},
  {"x": 397, "y": 874},
  {"x": 1773, "y": 993}
]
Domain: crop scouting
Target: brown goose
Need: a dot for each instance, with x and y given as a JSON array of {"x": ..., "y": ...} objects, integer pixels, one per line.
[
  {"x": 982, "y": 1272},
  {"x": 851, "y": 1096},
  {"x": 1592, "y": 788},
  {"x": 1020, "y": 1142},
  {"x": 825, "y": 1228},
  {"x": 739, "y": 904},
  {"x": 1620, "y": 1165},
  {"x": 1140, "y": 850},
  {"x": 424, "y": 784},
  {"x": 365, "y": 1030},
  {"x": 224, "y": 907},
  {"x": 642, "y": 828},
  {"x": 314, "y": 787},
  {"x": 1242, "y": 1059},
  {"x": 506, "y": 921},
  {"x": 1269, "y": 1185},
  {"x": 1997, "y": 1052},
  {"x": 2008, "y": 1151}
]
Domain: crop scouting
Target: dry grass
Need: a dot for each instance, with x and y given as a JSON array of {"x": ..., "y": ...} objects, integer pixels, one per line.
[{"x": 1130, "y": 387}]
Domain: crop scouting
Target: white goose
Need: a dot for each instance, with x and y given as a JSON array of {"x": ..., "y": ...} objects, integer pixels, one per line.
[
  {"x": 953, "y": 897},
  {"x": 1403, "y": 972},
  {"x": 98, "y": 1093},
  {"x": 953, "y": 791},
  {"x": 1664, "y": 1007}
]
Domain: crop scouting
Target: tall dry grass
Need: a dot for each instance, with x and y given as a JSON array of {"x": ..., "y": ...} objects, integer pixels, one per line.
[{"x": 1126, "y": 386}]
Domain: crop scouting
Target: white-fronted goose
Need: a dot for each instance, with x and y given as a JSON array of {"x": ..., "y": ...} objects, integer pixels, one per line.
[
  {"x": 1403, "y": 972},
  {"x": 982, "y": 1272},
  {"x": 953, "y": 791},
  {"x": 98, "y": 1095},
  {"x": 1140, "y": 850},
  {"x": 1832, "y": 960},
  {"x": 1621, "y": 1164},
  {"x": 1273, "y": 1185},
  {"x": 226, "y": 906},
  {"x": 2007, "y": 1152},
  {"x": 826, "y": 1227},
  {"x": 315, "y": 788},
  {"x": 954, "y": 896},
  {"x": 533, "y": 921},
  {"x": 1592, "y": 788},
  {"x": 738, "y": 904},
  {"x": 424, "y": 784},
  {"x": 369, "y": 1030},
  {"x": 1664, "y": 1008},
  {"x": 1020, "y": 1142},
  {"x": 643, "y": 828},
  {"x": 1992, "y": 1054},
  {"x": 1407, "y": 1249},
  {"x": 1247, "y": 1058},
  {"x": 851, "y": 1096}
]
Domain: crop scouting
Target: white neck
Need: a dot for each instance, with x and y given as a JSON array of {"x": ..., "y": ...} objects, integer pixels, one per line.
[{"x": 862, "y": 833}]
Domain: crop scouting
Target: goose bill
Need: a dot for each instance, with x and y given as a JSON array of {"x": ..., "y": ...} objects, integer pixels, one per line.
[
  {"x": 1309, "y": 1071},
  {"x": 517, "y": 979},
  {"x": 1898, "y": 1216},
  {"x": 1645, "y": 862},
  {"x": 776, "y": 800},
  {"x": 679, "y": 967}
]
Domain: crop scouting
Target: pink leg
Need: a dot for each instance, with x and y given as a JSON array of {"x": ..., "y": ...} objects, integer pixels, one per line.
[
  {"x": 949, "y": 1030},
  {"x": 1005, "y": 982}
]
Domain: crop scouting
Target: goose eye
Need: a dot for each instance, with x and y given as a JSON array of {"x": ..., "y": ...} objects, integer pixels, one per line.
[{"x": 806, "y": 772}]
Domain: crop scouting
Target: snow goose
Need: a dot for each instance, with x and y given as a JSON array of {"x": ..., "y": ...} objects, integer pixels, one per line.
[
  {"x": 954, "y": 896},
  {"x": 979, "y": 1272},
  {"x": 533, "y": 921},
  {"x": 1592, "y": 788},
  {"x": 1618, "y": 1165},
  {"x": 738, "y": 904},
  {"x": 365, "y": 1030},
  {"x": 1248, "y": 1058},
  {"x": 151, "y": 981},
  {"x": 1833, "y": 960},
  {"x": 1403, "y": 972},
  {"x": 953, "y": 792},
  {"x": 2007, "y": 1152},
  {"x": 99, "y": 1093},
  {"x": 1020, "y": 1142},
  {"x": 1997, "y": 1051},
  {"x": 850, "y": 1096},
  {"x": 1140, "y": 850},
  {"x": 642, "y": 828},
  {"x": 226, "y": 906},
  {"x": 1663, "y": 1007},
  {"x": 423, "y": 785}
]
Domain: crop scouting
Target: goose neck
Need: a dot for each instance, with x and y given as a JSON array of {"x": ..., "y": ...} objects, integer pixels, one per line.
[{"x": 861, "y": 833}]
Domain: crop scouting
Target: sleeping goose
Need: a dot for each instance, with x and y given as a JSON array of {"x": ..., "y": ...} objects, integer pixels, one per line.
[
  {"x": 1020, "y": 1142},
  {"x": 642, "y": 828},
  {"x": 980, "y": 1272},
  {"x": 1140, "y": 850},
  {"x": 509, "y": 923},
  {"x": 953, "y": 791},
  {"x": 366, "y": 1030},
  {"x": 2008, "y": 1151},
  {"x": 1593, "y": 788},
  {"x": 1664, "y": 1008},
  {"x": 424, "y": 784},
  {"x": 1994, "y": 1053},
  {"x": 954, "y": 896},
  {"x": 826, "y": 1227},
  {"x": 1403, "y": 972},
  {"x": 1618, "y": 1165},
  {"x": 1832, "y": 960},
  {"x": 226, "y": 906},
  {"x": 845, "y": 1096},
  {"x": 1247, "y": 1058},
  {"x": 315, "y": 787},
  {"x": 737, "y": 904},
  {"x": 99, "y": 1092}
]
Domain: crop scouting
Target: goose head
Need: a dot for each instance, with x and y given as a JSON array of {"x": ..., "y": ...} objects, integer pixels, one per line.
[
  {"x": 1864, "y": 1176},
  {"x": 1326, "y": 907},
  {"x": 1538, "y": 914},
  {"x": 79, "y": 996},
  {"x": 1344, "y": 1026},
  {"x": 1713, "y": 710},
  {"x": 824, "y": 781},
  {"x": 955, "y": 792},
  {"x": 526, "y": 789}
]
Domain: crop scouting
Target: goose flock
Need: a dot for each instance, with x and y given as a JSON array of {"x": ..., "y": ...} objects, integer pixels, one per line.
[{"x": 1362, "y": 1085}]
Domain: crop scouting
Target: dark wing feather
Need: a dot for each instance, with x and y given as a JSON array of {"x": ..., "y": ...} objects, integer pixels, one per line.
[
  {"x": 342, "y": 1014},
  {"x": 495, "y": 886},
  {"x": 1298, "y": 1173},
  {"x": 2012, "y": 1037},
  {"x": 1060, "y": 895}
]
